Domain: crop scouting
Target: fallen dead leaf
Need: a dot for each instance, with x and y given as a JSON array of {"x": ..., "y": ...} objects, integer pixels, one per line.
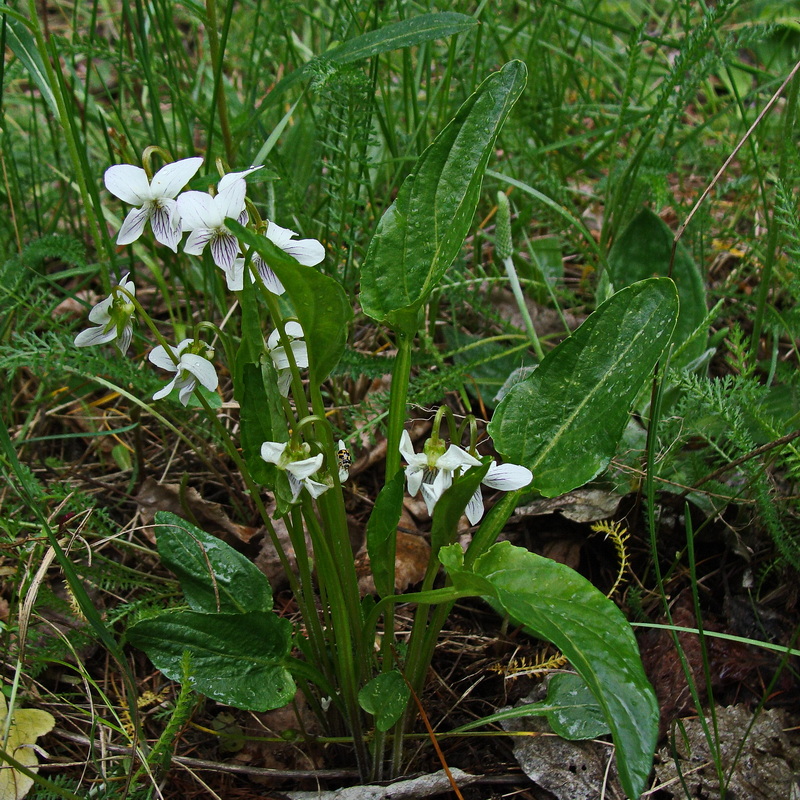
[
  {"x": 756, "y": 755},
  {"x": 211, "y": 517}
]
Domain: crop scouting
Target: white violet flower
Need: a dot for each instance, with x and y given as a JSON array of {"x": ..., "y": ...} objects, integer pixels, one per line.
[
  {"x": 308, "y": 252},
  {"x": 204, "y": 216},
  {"x": 433, "y": 471},
  {"x": 298, "y": 465},
  {"x": 153, "y": 200},
  {"x": 434, "y": 468},
  {"x": 193, "y": 365},
  {"x": 506, "y": 478},
  {"x": 112, "y": 317},
  {"x": 294, "y": 332}
]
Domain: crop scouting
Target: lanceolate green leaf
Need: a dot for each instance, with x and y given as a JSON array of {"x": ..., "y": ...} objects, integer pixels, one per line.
[
  {"x": 319, "y": 302},
  {"x": 23, "y": 46},
  {"x": 214, "y": 577},
  {"x": 565, "y": 419},
  {"x": 421, "y": 233},
  {"x": 559, "y": 605},
  {"x": 236, "y": 659},
  {"x": 643, "y": 250}
]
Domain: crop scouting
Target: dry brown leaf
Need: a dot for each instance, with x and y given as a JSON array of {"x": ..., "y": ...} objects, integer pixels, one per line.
[
  {"x": 211, "y": 517},
  {"x": 756, "y": 756},
  {"x": 411, "y": 560}
]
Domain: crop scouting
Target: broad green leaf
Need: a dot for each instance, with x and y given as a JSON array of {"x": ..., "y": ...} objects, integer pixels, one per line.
[
  {"x": 575, "y": 713},
  {"x": 236, "y": 659},
  {"x": 319, "y": 302},
  {"x": 421, "y": 233},
  {"x": 214, "y": 577},
  {"x": 385, "y": 697},
  {"x": 565, "y": 419},
  {"x": 643, "y": 251},
  {"x": 570, "y": 709},
  {"x": 560, "y": 606},
  {"x": 406, "y": 33},
  {"x": 382, "y": 533}
]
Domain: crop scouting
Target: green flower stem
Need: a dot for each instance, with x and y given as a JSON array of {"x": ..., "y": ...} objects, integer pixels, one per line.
[
  {"x": 513, "y": 280},
  {"x": 219, "y": 93},
  {"x": 342, "y": 644},
  {"x": 296, "y": 531},
  {"x": 398, "y": 398}
]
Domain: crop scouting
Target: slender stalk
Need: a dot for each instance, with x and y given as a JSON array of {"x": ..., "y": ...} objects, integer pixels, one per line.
[
  {"x": 69, "y": 135},
  {"x": 397, "y": 403},
  {"x": 219, "y": 93}
]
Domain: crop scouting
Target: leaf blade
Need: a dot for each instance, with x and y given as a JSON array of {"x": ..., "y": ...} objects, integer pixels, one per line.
[
  {"x": 420, "y": 234},
  {"x": 237, "y": 659},
  {"x": 565, "y": 419}
]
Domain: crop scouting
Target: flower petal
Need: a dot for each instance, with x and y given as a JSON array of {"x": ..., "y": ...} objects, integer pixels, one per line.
[
  {"x": 171, "y": 178},
  {"x": 507, "y": 477},
  {"x": 294, "y": 329},
  {"x": 133, "y": 226},
  {"x": 272, "y": 451},
  {"x": 456, "y": 457},
  {"x": 127, "y": 285},
  {"x": 474, "y": 509},
  {"x": 305, "y": 467},
  {"x": 414, "y": 476},
  {"x": 93, "y": 336},
  {"x": 407, "y": 449},
  {"x": 234, "y": 277},
  {"x": 129, "y": 183},
  {"x": 279, "y": 358},
  {"x": 271, "y": 280},
  {"x": 166, "y": 223},
  {"x": 442, "y": 482},
  {"x": 124, "y": 340},
  {"x": 230, "y": 200},
  {"x": 308, "y": 252},
  {"x": 202, "y": 369},
  {"x": 284, "y": 382},
  {"x": 315, "y": 489},
  {"x": 274, "y": 339},
  {"x": 300, "y": 353},
  {"x": 198, "y": 210},
  {"x": 159, "y": 356},
  {"x": 430, "y": 497},
  {"x": 197, "y": 241},
  {"x": 100, "y": 314},
  {"x": 166, "y": 389},
  {"x": 226, "y": 180},
  {"x": 224, "y": 249},
  {"x": 295, "y": 485},
  {"x": 186, "y": 384}
]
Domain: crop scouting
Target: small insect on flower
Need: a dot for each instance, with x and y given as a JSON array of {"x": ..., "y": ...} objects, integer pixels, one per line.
[{"x": 344, "y": 461}]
